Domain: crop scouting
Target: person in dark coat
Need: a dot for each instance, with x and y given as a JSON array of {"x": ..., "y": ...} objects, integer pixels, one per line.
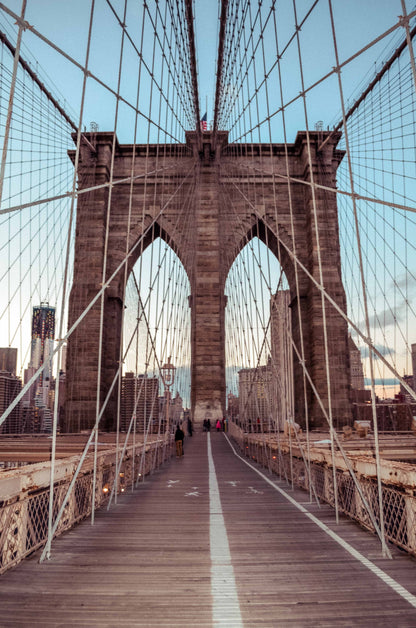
[
  {"x": 189, "y": 427},
  {"x": 179, "y": 436}
]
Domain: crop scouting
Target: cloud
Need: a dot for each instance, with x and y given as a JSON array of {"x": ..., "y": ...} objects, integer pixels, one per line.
[
  {"x": 380, "y": 348},
  {"x": 405, "y": 282},
  {"x": 404, "y": 286},
  {"x": 385, "y": 317}
]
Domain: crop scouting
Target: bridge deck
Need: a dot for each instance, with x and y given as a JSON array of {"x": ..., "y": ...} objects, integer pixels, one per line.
[{"x": 148, "y": 562}]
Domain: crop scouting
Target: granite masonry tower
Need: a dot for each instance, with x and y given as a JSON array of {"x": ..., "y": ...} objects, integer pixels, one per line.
[{"x": 214, "y": 247}]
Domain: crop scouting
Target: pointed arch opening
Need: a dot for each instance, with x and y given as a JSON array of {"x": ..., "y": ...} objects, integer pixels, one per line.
[
  {"x": 156, "y": 329},
  {"x": 258, "y": 332}
]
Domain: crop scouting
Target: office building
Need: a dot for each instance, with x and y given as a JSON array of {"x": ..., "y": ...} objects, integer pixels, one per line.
[
  {"x": 8, "y": 360},
  {"x": 255, "y": 390},
  {"x": 10, "y": 387},
  {"x": 356, "y": 366},
  {"x": 43, "y": 334},
  {"x": 139, "y": 401}
]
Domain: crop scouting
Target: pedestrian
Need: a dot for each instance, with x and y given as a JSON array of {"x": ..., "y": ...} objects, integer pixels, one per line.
[
  {"x": 179, "y": 436},
  {"x": 218, "y": 426},
  {"x": 189, "y": 427},
  {"x": 208, "y": 425}
]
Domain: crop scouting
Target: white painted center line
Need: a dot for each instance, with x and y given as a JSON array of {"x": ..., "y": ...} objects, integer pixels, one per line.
[{"x": 225, "y": 605}]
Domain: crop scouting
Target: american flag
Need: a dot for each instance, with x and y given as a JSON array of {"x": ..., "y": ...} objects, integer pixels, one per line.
[{"x": 204, "y": 122}]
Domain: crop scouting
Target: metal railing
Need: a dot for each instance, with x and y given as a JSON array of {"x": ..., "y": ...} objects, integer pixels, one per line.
[
  {"x": 25, "y": 495},
  {"x": 399, "y": 504}
]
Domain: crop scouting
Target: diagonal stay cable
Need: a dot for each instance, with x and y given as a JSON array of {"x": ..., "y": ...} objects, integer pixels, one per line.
[{"x": 107, "y": 283}]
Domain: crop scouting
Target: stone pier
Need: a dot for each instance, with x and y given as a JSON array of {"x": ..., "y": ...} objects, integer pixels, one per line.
[{"x": 223, "y": 220}]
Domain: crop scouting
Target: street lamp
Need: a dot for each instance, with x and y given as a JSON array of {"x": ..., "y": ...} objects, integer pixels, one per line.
[{"x": 167, "y": 372}]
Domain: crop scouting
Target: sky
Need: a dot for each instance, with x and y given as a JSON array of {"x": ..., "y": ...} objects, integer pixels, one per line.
[{"x": 66, "y": 25}]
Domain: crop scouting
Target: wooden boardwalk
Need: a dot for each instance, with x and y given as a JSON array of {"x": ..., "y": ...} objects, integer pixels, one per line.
[{"x": 149, "y": 562}]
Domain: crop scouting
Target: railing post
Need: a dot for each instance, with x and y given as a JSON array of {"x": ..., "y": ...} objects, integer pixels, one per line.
[
  {"x": 68, "y": 515},
  {"x": 410, "y": 517},
  {"x": 360, "y": 511},
  {"x": 328, "y": 486}
]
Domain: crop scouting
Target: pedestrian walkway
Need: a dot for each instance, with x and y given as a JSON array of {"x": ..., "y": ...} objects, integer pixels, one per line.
[{"x": 208, "y": 541}]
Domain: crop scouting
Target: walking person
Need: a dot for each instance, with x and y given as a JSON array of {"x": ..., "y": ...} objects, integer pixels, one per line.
[
  {"x": 218, "y": 426},
  {"x": 179, "y": 436},
  {"x": 190, "y": 428}
]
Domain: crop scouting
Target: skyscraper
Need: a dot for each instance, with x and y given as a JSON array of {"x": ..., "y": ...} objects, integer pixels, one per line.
[
  {"x": 10, "y": 387},
  {"x": 356, "y": 366},
  {"x": 43, "y": 333},
  {"x": 8, "y": 360},
  {"x": 139, "y": 396},
  {"x": 255, "y": 398}
]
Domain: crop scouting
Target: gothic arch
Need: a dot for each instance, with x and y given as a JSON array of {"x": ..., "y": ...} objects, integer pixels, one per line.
[{"x": 213, "y": 247}]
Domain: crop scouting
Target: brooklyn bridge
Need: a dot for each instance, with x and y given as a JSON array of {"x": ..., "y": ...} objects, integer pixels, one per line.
[{"x": 207, "y": 313}]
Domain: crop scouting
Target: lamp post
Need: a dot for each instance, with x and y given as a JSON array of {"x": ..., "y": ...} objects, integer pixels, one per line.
[{"x": 167, "y": 372}]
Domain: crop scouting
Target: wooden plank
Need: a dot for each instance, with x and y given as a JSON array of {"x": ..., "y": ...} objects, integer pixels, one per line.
[{"x": 146, "y": 562}]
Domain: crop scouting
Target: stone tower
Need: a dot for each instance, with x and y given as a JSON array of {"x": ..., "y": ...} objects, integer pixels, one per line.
[{"x": 286, "y": 222}]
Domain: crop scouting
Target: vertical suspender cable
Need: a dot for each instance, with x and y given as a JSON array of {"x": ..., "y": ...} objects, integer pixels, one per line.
[
  {"x": 409, "y": 41},
  {"x": 315, "y": 218},
  {"x": 192, "y": 60},
  {"x": 220, "y": 63},
  {"x": 65, "y": 280},
  {"x": 294, "y": 245},
  {"x": 11, "y": 97},
  {"x": 104, "y": 272},
  {"x": 385, "y": 549}
]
